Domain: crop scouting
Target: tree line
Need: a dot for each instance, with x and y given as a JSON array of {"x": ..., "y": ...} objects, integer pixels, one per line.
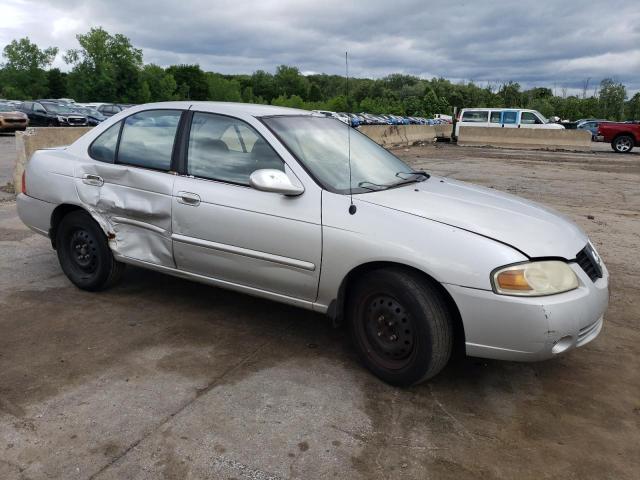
[{"x": 108, "y": 68}]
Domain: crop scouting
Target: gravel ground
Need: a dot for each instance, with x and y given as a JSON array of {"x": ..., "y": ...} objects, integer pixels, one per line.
[{"x": 163, "y": 378}]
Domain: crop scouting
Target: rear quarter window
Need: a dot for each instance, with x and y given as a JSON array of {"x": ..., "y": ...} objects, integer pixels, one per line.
[
  {"x": 475, "y": 116},
  {"x": 103, "y": 148}
]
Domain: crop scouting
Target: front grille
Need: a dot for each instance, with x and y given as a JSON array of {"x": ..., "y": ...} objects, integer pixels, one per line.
[{"x": 587, "y": 261}]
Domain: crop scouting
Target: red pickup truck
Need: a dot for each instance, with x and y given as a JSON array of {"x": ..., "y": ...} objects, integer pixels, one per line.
[{"x": 623, "y": 136}]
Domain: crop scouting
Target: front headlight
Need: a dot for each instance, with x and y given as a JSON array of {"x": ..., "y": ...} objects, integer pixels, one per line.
[
  {"x": 62, "y": 119},
  {"x": 533, "y": 279}
]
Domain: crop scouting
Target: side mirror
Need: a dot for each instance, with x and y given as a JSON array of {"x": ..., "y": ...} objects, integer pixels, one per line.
[{"x": 271, "y": 180}]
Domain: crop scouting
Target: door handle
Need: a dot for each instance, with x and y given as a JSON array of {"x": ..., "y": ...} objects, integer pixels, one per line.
[
  {"x": 95, "y": 180},
  {"x": 189, "y": 198}
]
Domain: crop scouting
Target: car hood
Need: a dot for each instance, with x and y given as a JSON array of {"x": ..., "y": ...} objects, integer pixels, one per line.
[
  {"x": 13, "y": 115},
  {"x": 535, "y": 230}
]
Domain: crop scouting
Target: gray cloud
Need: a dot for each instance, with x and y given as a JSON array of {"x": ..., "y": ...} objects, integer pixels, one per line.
[{"x": 541, "y": 43}]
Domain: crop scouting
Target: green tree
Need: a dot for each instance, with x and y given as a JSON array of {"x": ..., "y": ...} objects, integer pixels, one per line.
[
  {"x": 431, "y": 103},
  {"x": 633, "y": 108},
  {"x": 57, "y": 82},
  {"x": 160, "y": 85},
  {"x": 612, "y": 96},
  {"x": 247, "y": 95},
  {"x": 338, "y": 104},
  {"x": 289, "y": 81},
  {"x": 315, "y": 94},
  {"x": 192, "y": 80},
  {"x": 263, "y": 85},
  {"x": 105, "y": 67},
  {"x": 24, "y": 69},
  {"x": 223, "y": 90},
  {"x": 293, "y": 101},
  {"x": 510, "y": 94}
]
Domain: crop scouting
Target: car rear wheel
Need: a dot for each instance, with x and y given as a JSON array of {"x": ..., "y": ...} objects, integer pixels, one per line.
[
  {"x": 400, "y": 326},
  {"x": 84, "y": 253},
  {"x": 622, "y": 144}
]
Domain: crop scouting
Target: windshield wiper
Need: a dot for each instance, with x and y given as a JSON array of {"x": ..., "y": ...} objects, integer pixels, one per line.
[
  {"x": 415, "y": 172},
  {"x": 376, "y": 185},
  {"x": 406, "y": 181}
]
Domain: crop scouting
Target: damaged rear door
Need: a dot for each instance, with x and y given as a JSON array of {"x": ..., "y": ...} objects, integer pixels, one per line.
[{"x": 127, "y": 186}]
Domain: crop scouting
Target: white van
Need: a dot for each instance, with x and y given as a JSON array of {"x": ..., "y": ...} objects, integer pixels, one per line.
[{"x": 504, "y": 118}]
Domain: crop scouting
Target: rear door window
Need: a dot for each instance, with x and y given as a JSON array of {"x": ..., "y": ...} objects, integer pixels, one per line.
[
  {"x": 147, "y": 139},
  {"x": 475, "y": 116},
  {"x": 509, "y": 117}
]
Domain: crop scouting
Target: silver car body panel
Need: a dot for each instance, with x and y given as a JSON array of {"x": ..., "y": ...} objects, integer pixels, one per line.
[
  {"x": 259, "y": 239},
  {"x": 531, "y": 228},
  {"x": 300, "y": 249},
  {"x": 133, "y": 205}
]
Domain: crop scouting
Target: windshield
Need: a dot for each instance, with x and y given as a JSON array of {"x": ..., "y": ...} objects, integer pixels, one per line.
[
  {"x": 6, "y": 108},
  {"x": 56, "y": 108},
  {"x": 541, "y": 117},
  {"x": 321, "y": 145}
]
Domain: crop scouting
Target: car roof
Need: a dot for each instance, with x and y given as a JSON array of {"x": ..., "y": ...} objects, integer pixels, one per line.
[{"x": 225, "y": 108}]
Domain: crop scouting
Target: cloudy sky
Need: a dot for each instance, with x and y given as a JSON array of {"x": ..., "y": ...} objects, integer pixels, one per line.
[{"x": 554, "y": 43}]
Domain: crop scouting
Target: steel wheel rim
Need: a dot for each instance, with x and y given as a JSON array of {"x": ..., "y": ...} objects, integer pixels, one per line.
[
  {"x": 388, "y": 331},
  {"x": 83, "y": 251},
  {"x": 624, "y": 144}
]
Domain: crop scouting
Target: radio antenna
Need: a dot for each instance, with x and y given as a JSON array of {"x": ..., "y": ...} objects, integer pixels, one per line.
[{"x": 352, "y": 207}]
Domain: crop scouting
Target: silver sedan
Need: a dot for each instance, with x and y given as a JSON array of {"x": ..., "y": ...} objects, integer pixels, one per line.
[{"x": 299, "y": 208}]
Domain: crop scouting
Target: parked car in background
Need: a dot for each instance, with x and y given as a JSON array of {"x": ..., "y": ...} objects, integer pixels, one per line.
[
  {"x": 12, "y": 119},
  {"x": 52, "y": 114},
  {"x": 326, "y": 113},
  {"x": 109, "y": 109},
  {"x": 504, "y": 118},
  {"x": 590, "y": 125},
  {"x": 355, "y": 120},
  {"x": 94, "y": 117},
  {"x": 411, "y": 262},
  {"x": 622, "y": 136}
]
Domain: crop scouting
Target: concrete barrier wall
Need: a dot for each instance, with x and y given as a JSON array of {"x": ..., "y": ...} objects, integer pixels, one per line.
[
  {"x": 33, "y": 139},
  {"x": 529, "y": 138},
  {"x": 405, "y": 134}
]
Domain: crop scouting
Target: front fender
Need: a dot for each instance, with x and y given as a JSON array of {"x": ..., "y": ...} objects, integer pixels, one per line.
[{"x": 374, "y": 234}]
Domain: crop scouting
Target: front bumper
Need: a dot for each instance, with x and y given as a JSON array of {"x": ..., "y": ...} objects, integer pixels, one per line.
[
  {"x": 12, "y": 126},
  {"x": 534, "y": 328}
]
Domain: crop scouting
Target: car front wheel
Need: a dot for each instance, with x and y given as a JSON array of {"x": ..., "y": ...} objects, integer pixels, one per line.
[
  {"x": 400, "y": 326},
  {"x": 622, "y": 144},
  {"x": 84, "y": 253}
]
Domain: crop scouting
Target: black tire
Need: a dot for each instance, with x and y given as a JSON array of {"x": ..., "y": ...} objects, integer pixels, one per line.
[
  {"x": 400, "y": 326},
  {"x": 84, "y": 253},
  {"x": 622, "y": 144}
]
